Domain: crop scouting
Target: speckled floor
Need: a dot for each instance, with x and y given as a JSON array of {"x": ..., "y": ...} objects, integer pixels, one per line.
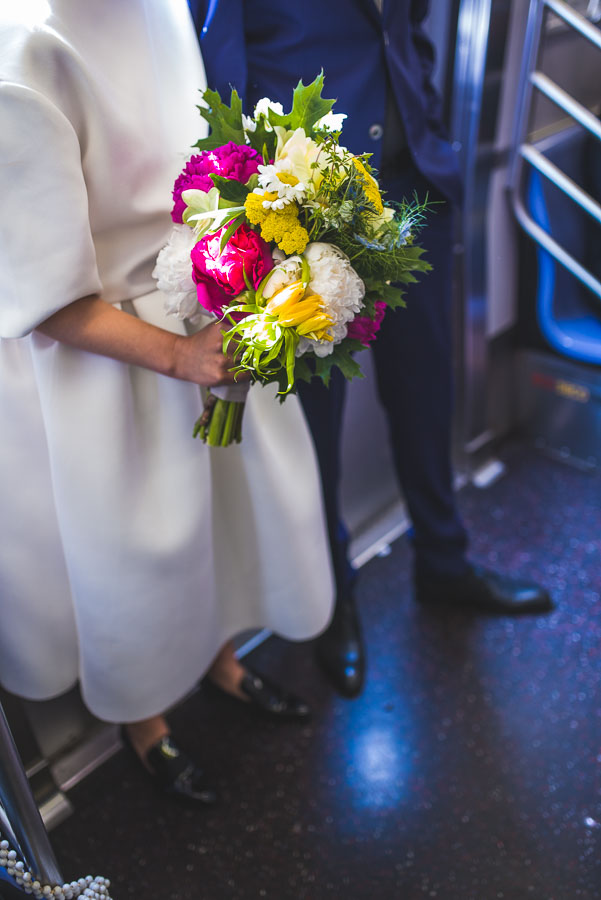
[{"x": 469, "y": 769}]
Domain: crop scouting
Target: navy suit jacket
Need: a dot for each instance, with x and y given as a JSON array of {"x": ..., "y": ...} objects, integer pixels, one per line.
[{"x": 263, "y": 47}]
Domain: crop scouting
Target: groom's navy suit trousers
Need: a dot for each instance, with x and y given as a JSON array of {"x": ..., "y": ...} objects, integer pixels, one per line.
[{"x": 378, "y": 66}]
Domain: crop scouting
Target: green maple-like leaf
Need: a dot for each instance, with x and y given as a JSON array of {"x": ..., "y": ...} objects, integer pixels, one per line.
[
  {"x": 225, "y": 121},
  {"x": 342, "y": 357},
  {"x": 391, "y": 294},
  {"x": 308, "y": 106}
]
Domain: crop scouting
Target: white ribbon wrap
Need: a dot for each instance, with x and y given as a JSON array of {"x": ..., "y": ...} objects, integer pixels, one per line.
[{"x": 235, "y": 393}]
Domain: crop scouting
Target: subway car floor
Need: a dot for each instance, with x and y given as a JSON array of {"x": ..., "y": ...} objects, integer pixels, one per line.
[{"x": 469, "y": 768}]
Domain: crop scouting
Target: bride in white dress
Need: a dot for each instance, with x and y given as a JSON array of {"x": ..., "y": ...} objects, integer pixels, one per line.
[{"x": 130, "y": 554}]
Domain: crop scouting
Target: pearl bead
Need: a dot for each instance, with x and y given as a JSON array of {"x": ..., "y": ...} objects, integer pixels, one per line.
[{"x": 94, "y": 888}]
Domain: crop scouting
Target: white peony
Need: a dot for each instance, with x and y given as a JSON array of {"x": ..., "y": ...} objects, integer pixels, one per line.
[
  {"x": 342, "y": 291},
  {"x": 173, "y": 272}
]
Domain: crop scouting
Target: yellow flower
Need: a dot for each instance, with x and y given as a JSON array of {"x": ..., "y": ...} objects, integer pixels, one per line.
[
  {"x": 316, "y": 328},
  {"x": 288, "y": 178},
  {"x": 294, "y": 240},
  {"x": 286, "y": 298},
  {"x": 255, "y": 210},
  {"x": 279, "y": 225},
  {"x": 369, "y": 185},
  {"x": 294, "y": 309}
]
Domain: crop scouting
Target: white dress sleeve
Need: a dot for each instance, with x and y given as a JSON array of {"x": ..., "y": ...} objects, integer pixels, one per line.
[{"x": 47, "y": 255}]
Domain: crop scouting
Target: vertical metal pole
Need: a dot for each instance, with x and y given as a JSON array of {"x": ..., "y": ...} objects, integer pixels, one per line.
[
  {"x": 22, "y": 811},
  {"x": 532, "y": 39},
  {"x": 470, "y": 66}
]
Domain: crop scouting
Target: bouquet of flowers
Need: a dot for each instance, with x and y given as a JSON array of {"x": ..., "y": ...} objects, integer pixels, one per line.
[{"x": 283, "y": 234}]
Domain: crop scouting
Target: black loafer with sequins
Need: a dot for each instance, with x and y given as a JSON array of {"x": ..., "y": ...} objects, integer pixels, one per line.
[
  {"x": 264, "y": 696},
  {"x": 172, "y": 770}
]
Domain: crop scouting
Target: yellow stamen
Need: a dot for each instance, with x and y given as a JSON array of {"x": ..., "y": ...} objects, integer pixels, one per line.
[{"x": 288, "y": 178}]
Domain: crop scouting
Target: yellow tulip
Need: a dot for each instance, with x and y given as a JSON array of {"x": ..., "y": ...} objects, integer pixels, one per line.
[
  {"x": 316, "y": 327},
  {"x": 302, "y": 311},
  {"x": 295, "y": 310},
  {"x": 286, "y": 297}
]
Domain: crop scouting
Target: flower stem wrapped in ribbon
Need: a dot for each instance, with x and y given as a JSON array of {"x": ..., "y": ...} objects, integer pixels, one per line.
[{"x": 285, "y": 235}]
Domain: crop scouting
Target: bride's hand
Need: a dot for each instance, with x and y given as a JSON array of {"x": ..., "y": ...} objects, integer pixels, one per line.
[{"x": 199, "y": 358}]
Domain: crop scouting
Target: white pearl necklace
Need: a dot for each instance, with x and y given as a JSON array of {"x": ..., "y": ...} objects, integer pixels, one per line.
[{"x": 93, "y": 888}]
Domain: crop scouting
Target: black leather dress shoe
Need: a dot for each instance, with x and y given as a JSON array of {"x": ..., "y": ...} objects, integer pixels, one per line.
[
  {"x": 265, "y": 697},
  {"x": 482, "y": 591},
  {"x": 340, "y": 650},
  {"x": 174, "y": 772}
]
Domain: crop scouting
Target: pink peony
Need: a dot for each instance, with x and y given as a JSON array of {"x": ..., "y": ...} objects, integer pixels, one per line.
[
  {"x": 219, "y": 276},
  {"x": 231, "y": 161},
  {"x": 364, "y": 329}
]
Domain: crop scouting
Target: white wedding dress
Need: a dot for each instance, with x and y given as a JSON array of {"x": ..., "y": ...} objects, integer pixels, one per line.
[{"x": 129, "y": 552}]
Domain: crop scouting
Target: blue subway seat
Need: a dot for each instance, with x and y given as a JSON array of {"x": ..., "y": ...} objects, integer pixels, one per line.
[{"x": 566, "y": 316}]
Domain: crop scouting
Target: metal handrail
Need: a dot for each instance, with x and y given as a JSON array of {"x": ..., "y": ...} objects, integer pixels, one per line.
[
  {"x": 569, "y": 187},
  {"x": 531, "y": 79},
  {"x": 558, "y": 252},
  {"x": 22, "y": 811},
  {"x": 565, "y": 101},
  {"x": 575, "y": 19}
]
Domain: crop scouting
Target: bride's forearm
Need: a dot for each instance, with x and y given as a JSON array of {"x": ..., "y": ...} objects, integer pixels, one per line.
[
  {"x": 93, "y": 325},
  {"x": 96, "y": 326}
]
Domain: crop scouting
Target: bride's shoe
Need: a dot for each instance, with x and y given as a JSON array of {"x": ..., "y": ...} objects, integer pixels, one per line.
[
  {"x": 174, "y": 772},
  {"x": 264, "y": 696}
]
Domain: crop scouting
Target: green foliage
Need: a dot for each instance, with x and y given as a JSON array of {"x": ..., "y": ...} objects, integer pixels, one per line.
[
  {"x": 225, "y": 121},
  {"x": 263, "y": 139},
  {"x": 321, "y": 366},
  {"x": 393, "y": 265},
  {"x": 308, "y": 106},
  {"x": 391, "y": 294},
  {"x": 231, "y": 190}
]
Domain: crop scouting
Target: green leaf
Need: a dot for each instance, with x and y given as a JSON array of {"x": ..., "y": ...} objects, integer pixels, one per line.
[
  {"x": 232, "y": 227},
  {"x": 341, "y": 357},
  {"x": 389, "y": 293},
  {"x": 230, "y": 189},
  {"x": 225, "y": 122},
  {"x": 308, "y": 106},
  {"x": 212, "y": 220},
  {"x": 263, "y": 140},
  {"x": 199, "y": 202}
]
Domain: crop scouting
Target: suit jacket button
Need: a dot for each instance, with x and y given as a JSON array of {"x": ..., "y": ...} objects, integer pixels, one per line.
[{"x": 375, "y": 131}]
